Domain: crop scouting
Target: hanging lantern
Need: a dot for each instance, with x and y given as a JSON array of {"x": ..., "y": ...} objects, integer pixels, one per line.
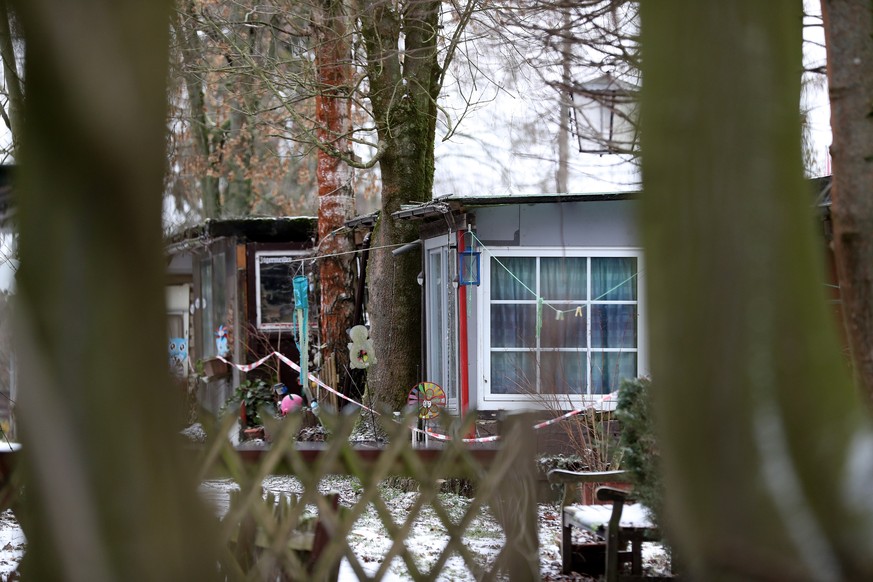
[{"x": 470, "y": 260}]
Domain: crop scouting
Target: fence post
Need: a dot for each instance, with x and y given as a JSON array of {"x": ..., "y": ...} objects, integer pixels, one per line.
[{"x": 515, "y": 504}]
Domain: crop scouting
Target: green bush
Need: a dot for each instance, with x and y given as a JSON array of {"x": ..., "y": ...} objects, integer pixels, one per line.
[{"x": 641, "y": 456}]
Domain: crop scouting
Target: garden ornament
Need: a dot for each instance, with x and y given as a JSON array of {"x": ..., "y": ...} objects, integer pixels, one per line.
[
  {"x": 290, "y": 403},
  {"x": 222, "y": 348},
  {"x": 428, "y": 398},
  {"x": 361, "y": 352},
  {"x": 301, "y": 307}
]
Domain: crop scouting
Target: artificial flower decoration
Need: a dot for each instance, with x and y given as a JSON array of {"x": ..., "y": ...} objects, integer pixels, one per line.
[{"x": 361, "y": 352}]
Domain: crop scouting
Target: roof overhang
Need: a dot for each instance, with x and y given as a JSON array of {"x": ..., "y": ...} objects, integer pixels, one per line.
[{"x": 454, "y": 203}]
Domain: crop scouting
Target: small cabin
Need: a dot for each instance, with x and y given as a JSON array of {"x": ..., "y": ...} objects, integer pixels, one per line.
[
  {"x": 229, "y": 294},
  {"x": 531, "y": 301}
]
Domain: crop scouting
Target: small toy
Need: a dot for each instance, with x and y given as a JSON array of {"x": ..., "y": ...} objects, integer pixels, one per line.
[
  {"x": 222, "y": 346},
  {"x": 290, "y": 403}
]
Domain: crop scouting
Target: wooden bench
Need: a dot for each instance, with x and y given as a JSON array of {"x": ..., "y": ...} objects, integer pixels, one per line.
[{"x": 619, "y": 524}]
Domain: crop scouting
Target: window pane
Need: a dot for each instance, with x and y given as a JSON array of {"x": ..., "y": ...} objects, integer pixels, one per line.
[
  {"x": 608, "y": 369},
  {"x": 612, "y": 279},
  {"x": 219, "y": 291},
  {"x": 506, "y": 286},
  {"x": 436, "y": 323},
  {"x": 569, "y": 332},
  {"x": 207, "y": 328},
  {"x": 563, "y": 372},
  {"x": 513, "y": 373},
  {"x": 277, "y": 291},
  {"x": 513, "y": 326},
  {"x": 564, "y": 278},
  {"x": 613, "y": 326}
]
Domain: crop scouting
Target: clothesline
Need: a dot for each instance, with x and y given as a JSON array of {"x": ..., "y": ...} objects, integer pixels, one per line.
[
  {"x": 427, "y": 432},
  {"x": 542, "y": 301}
]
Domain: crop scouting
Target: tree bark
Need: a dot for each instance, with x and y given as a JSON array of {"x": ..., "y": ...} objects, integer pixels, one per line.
[
  {"x": 11, "y": 77},
  {"x": 108, "y": 494},
  {"x": 849, "y": 38},
  {"x": 758, "y": 421},
  {"x": 238, "y": 199},
  {"x": 336, "y": 200},
  {"x": 403, "y": 90},
  {"x": 190, "y": 44}
]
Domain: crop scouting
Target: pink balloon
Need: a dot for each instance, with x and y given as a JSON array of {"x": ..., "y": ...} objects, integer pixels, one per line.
[{"x": 290, "y": 403}]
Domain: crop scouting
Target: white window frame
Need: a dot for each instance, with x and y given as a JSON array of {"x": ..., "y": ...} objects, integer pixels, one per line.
[
  {"x": 449, "y": 366},
  {"x": 488, "y": 401},
  {"x": 292, "y": 257}
]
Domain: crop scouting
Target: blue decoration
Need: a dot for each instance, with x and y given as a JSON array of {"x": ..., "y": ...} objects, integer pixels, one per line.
[{"x": 469, "y": 261}]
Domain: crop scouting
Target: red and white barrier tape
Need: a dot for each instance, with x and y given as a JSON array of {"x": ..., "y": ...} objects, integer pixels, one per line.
[{"x": 442, "y": 437}]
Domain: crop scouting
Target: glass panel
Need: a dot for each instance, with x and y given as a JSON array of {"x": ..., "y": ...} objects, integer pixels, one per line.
[
  {"x": 569, "y": 332},
  {"x": 613, "y": 326},
  {"x": 219, "y": 291},
  {"x": 513, "y": 373},
  {"x": 563, "y": 372},
  {"x": 564, "y": 278},
  {"x": 436, "y": 325},
  {"x": 513, "y": 326},
  {"x": 449, "y": 296},
  {"x": 506, "y": 286},
  {"x": 276, "y": 293},
  {"x": 175, "y": 325},
  {"x": 612, "y": 279},
  {"x": 206, "y": 321},
  {"x": 608, "y": 369}
]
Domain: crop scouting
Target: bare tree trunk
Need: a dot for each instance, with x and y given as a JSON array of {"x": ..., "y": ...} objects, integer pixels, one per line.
[
  {"x": 210, "y": 195},
  {"x": 403, "y": 91},
  {"x": 107, "y": 494},
  {"x": 562, "y": 176},
  {"x": 238, "y": 196},
  {"x": 336, "y": 201},
  {"x": 759, "y": 424},
  {"x": 12, "y": 114},
  {"x": 849, "y": 38}
]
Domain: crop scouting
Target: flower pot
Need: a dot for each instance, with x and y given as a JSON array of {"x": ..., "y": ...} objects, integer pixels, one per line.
[
  {"x": 256, "y": 432},
  {"x": 215, "y": 367}
]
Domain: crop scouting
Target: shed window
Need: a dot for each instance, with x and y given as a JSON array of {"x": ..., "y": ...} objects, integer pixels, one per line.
[{"x": 275, "y": 293}]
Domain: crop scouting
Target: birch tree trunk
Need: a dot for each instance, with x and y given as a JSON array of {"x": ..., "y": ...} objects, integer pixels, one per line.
[
  {"x": 107, "y": 495},
  {"x": 766, "y": 451},
  {"x": 849, "y": 37}
]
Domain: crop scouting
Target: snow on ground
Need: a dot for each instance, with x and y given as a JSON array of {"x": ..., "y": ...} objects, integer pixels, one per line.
[
  {"x": 11, "y": 544},
  {"x": 369, "y": 539}
]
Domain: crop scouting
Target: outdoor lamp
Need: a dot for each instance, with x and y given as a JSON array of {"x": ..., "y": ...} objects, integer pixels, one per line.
[{"x": 470, "y": 260}]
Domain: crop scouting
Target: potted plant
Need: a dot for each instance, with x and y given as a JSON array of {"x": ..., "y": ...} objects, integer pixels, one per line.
[{"x": 254, "y": 397}]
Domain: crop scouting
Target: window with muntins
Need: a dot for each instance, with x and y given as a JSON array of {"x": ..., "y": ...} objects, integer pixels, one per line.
[{"x": 560, "y": 322}]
